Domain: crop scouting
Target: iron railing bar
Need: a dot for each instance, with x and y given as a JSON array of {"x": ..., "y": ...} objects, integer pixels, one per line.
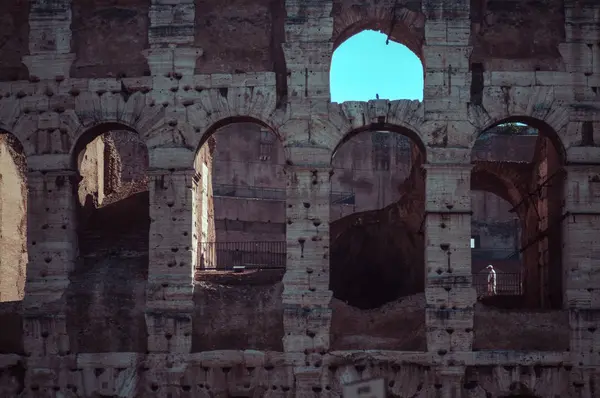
[
  {"x": 507, "y": 283},
  {"x": 250, "y": 254}
]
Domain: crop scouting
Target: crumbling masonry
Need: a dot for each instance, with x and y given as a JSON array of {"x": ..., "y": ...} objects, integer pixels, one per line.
[{"x": 129, "y": 316}]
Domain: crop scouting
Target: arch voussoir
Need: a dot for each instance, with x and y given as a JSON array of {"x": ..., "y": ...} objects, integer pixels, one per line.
[
  {"x": 25, "y": 129},
  {"x": 215, "y": 104},
  {"x": 406, "y": 112},
  {"x": 237, "y": 99},
  {"x": 352, "y": 117},
  {"x": 406, "y": 24},
  {"x": 130, "y": 111},
  {"x": 526, "y": 104}
]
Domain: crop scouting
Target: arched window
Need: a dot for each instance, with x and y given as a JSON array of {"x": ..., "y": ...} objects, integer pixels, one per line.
[
  {"x": 376, "y": 255},
  {"x": 239, "y": 236},
  {"x": 107, "y": 291},
  {"x": 367, "y": 66},
  {"x": 517, "y": 182}
]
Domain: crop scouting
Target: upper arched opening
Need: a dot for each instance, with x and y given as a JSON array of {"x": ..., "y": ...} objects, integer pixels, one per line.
[
  {"x": 402, "y": 23},
  {"x": 369, "y": 65}
]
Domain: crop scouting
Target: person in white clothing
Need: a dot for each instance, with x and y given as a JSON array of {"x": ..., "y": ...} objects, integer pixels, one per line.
[{"x": 491, "y": 280}]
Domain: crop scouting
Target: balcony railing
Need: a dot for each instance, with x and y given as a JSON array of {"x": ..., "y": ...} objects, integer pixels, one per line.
[
  {"x": 495, "y": 254},
  {"x": 342, "y": 198},
  {"x": 507, "y": 283},
  {"x": 250, "y": 192},
  {"x": 242, "y": 255}
]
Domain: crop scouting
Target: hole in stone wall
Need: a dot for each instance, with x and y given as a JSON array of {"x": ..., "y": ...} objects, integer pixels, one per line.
[
  {"x": 477, "y": 83},
  {"x": 376, "y": 267},
  {"x": 239, "y": 237},
  {"x": 587, "y": 133},
  {"x": 108, "y": 286},
  {"x": 517, "y": 185}
]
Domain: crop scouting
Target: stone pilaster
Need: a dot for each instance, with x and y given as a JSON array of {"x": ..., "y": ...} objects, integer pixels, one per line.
[
  {"x": 171, "y": 22},
  {"x": 50, "y": 39},
  {"x": 308, "y": 49},
  {"x": 171, "y": 38},
  {"x": 448, "y": 75},
  {"x": 52, "y": 249},
  {"x": 581, "y": 229},
  {"x": 449, "y": 382},
  {"x": 306, "y": 294},
  {"x": 169, "y": 290},
  {"x": 448, "y": 289}
]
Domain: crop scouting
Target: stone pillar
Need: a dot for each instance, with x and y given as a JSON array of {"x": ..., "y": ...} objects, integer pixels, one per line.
[
  {"x": 306, "y": 294},
  {"x": 448, "y": 76},
  {"x": 49, "y": 39},
  {"x": 171, "y": 38},
  {"x": 169, "y": 291},
  {"x": 52, "y": 247},
  {"x": 448, "y": 289},
  {"x": 579, "y": 51},
  {"x": 581, "y": 230},
  {"x": 308, "y": 49}
]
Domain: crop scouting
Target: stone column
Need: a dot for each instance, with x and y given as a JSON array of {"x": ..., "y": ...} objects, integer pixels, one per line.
[
  {"x": 448, "y": 288},
  {"x": 52, "y": 248},
  {"x": 306, "y": 293},
  {"x": 581, "y": 261},
  {"x": 169, "y": 302},
  {"x": 49, "y": 39}
]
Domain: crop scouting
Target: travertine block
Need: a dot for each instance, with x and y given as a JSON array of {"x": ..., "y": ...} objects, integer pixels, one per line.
[
  {"x": 448, "y": 189},
  {"x": 447, "y": 57},
  {"x": 49, "y": 66},
  {"x": 582, "y": 190},
  {"x": 578, "y": 57},
  {"x": 543, "y": 78}
]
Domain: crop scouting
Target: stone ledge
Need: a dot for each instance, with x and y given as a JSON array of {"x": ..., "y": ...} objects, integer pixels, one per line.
[{"x": 221, "y": 358}]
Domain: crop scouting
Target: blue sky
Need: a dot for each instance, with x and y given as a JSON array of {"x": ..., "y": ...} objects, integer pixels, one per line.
[{"x": 364, "y": 65}]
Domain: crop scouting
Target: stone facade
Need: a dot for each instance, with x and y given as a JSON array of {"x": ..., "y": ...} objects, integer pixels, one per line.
[{"x": 174, "y": 72}]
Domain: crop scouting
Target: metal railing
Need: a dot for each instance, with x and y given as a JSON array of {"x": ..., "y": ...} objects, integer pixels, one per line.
[
  {"x": 241, "y": 255},
  {"x": 342, "y": 198},
  {"x": 495, "y": 254},
  {"x": 507, "y": 283},
  {"x": 250, "y": 192}
]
